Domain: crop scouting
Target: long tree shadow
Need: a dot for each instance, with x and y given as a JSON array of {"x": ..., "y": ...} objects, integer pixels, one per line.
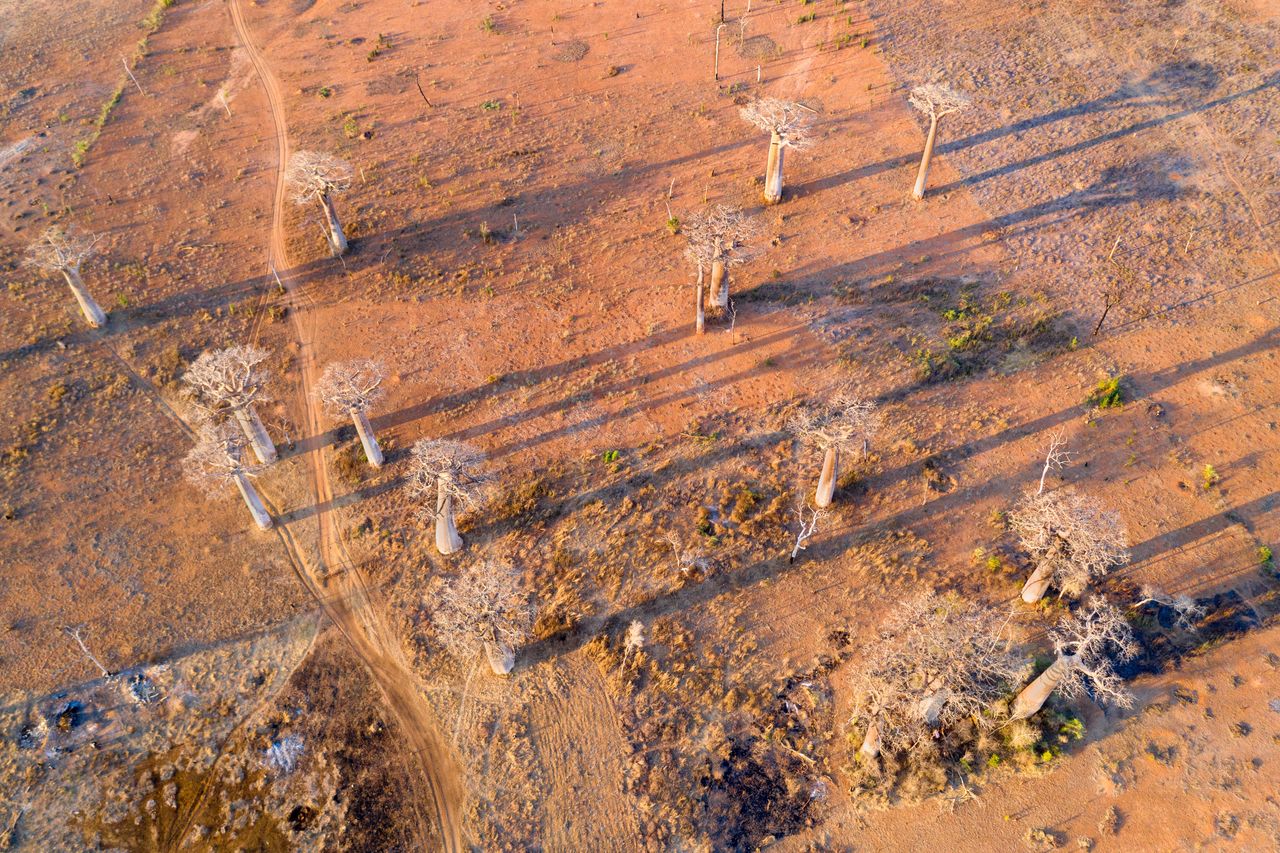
[
  {"x": 701, "y": 593},
  {"x": 1165, "y": 87}
]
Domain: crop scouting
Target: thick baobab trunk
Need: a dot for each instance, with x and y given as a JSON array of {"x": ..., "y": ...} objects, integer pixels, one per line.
[
  {"x": 93, "y": 313},
  {"x": 447, "y": 539},
  {"x": 263, "y": 447},
  {"x": 871, "y": 743},
  {"x": 827, "y": 480},
  {"x": 364, "y": 429},
  {"x": 918, "y": 192},
  {"x": 700, "y": 321},
  {"x": 773, "y": 172},
  {"x": 501, "y": 659},
  {"x": 1034, "y": 695},
  {"x": 1038, "y": 584},
  {"x": 337, "y": 239},
  {"x": 251, "y": 500},
  {"x": 720, "y": 285}
]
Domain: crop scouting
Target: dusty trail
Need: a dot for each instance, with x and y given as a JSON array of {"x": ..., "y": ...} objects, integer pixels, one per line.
[{"x": 344, "y": 593}]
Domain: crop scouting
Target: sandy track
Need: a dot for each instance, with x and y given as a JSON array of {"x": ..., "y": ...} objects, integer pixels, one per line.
[{"x": 345, "y": 594}]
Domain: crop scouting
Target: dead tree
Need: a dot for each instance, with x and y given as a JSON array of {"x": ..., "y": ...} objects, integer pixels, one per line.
[
  {"x": 839, "y": 424},
  {"x": 219, "y": 459},
  {"x": 312, "y": 175},
  {"x": 350, "y": 389},
  {"x": 1071, "y": 538},
  {"x": 1186, "y": 610},
  {"x": 64, "y": 250},
  {"x": 229, "y": 382},
  {"x": 934, "y": 100},
  {"x": 1085, "y": 644},
  {"x": 719, "y": 239},
  {"x": 935, "y": 662},
  {"x": 788, "y": 125},
  {"x": 445, "y": 477},
  {"x": 484, "y": 609}
]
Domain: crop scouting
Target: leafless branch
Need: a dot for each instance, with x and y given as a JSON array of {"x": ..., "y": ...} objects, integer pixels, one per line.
[
  {"x": 351, "y": 386},
  {"x": 720, "y": 234},
  {"x": 1092, "y": 638},
  {"x": 790, "y": 121},
  {"x": 935, "y": 662},
  {"x": 442, "y": 468},
  {"x": 218, "y": 457},
  {"x": 807, "y": 520},
  {"x": 1056, "y": 458},
  {"x": 486, "y": 603},
  {"x": 938, "y": 99},
  {"x": 842, "y": 419},
  {"x": 227, "y": 380},
  {"x": 1185, "y": 608},
  {"x": 61, "y": 249},
  {"x": 1071, "y": 536},
  {"x": 313, "y": 174}
]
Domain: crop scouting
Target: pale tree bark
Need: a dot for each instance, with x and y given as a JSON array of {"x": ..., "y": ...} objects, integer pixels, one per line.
[
  {"x": 700, "y": 321},
  {"x": 930, "y": 707},
  {"x": 773, "y": 171},
  {"x": 93, "y": 313},
  {"x": 1034, "y": 695},
  {"x": 871, "y": 743},
  {"x": 337, "y": 239},
  {"x": 720, "y": 284},
  {"x": 259, "y": 512},
  {"x": 918, "y": 192},
  {"x": 501, "y": 658},
  {"x": 1038, "y": 584},
  {"x": 447, "y": 539},
  {"x": 364, "y": 429},
  {"x": 263, "y": 447},
  {"x": 827, "y": 480}
]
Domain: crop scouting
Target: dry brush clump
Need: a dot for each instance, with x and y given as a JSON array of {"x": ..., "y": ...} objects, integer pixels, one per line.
[
  {"x": 230, "y": 382},
  {"x": 484, "y": 609},
  {"x": 719, "y": 238},
  {"x": 839, "y": 423},
  {"x": 219, "y": 459},
  {"x": 935, "y": 663},
  {"x": 446, "y": 478},
  {"x": 789, "y": 126},
  {"x": 1086, "y": 645},
  {"x": 64, "y": 250},
  {"x": 1072, "y": 539},
  {"x": 314, "y": 175},
  {"x": 935, "y": 100},
  {"x": 349, "y": 389}
]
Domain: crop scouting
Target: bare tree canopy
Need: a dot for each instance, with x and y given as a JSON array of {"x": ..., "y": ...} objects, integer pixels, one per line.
[
  {"x": 218, "y": 458},
  {"x": 935, "y": 662},
  {"x": 484, "y": 608},
  {"x": 843, "y": 420},
  {"x": 312, "y": 174},
  {"x": 789, "y": 121},
  {"x": 1091, "y": 639},
  {"x": 938, "y": 99},
  {"x": 1071, "y": 538},
  {"x": 721, "y": 234},
  {"x": 440, "y": 469},
  {"x": 227, "y": 380},
  {"x": 61, "y": 249},
  {"x": 351, "y": 386}
]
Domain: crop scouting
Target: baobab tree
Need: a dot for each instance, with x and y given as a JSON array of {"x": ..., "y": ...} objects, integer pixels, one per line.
[
  {"x": 1071, "y": 538},
  {"x": 219, "y": 459},
  {"x": 484, "y": 609},
  {"x": 446, "y": 477},
  {"x": 64, "y": 250},
  {"x": 788, "y": 125},
  {"x": 935, "y": 662},
  {"x": 1085, "y": 644},
  {"x": 313, "y": 175},
  {"x": 934, "y": 100},
  {"x": 719, "y": 238},
  {"x": 350, "y": 389},
  {"x": 229, "y": 382},
  {"x": 840, "y": 423}
]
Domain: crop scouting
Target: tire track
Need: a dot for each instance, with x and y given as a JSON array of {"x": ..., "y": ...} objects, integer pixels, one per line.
[{"x": 345, "y": 595}]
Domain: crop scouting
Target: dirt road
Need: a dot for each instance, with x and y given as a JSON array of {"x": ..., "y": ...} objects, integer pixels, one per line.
[{"x": 339, "y": 585}]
